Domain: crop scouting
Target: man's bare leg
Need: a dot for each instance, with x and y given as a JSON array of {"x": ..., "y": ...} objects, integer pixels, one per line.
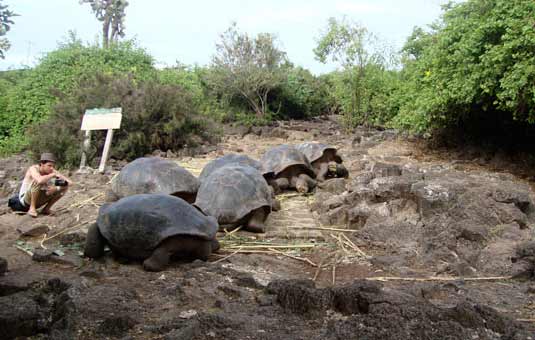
[
  {"x": 33, "y": 201},
  {"x": 55, "y": 197}
]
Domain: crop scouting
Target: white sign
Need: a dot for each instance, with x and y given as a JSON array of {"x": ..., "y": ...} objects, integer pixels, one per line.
[{"x": 102, "y": 119}]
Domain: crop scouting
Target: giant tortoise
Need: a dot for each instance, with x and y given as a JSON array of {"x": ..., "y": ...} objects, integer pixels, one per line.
[
  {"x": 152, "y": 228},
  {"x": 236, "y": 195},
  {"x": 154, "y": 175},
  {"x": 286, "y": 167},
  {"x": 324, "y": 159},
  {"x": 229, "y": 159}
]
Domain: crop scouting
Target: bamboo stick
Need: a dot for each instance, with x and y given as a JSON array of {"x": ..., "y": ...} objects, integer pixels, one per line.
[
  {"x": 294, "y": 257},
  {"x": 326, "y": 228},
  {"x": 436, "y": 278},
  {"x": 226, "y": 257},
  {"x": 64, "y": 231},
  {"x": 318, "y": 270},
  {"x": 300, "y": 246},
  {"x": 334, "y": 273},
  {"x": 363, "y": 254},
  {"x": 79, "y": 204},
  {"x": 26, "y": 251}
]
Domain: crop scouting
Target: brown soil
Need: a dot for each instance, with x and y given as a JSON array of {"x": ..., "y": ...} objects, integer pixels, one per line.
[{"x": 326, "y": 291}]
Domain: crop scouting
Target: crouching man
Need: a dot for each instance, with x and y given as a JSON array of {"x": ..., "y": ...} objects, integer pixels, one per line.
[{"x": 42, "y": 186}]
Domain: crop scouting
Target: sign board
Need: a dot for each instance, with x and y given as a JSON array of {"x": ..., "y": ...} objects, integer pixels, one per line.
[{"x": 102, "y": 119}]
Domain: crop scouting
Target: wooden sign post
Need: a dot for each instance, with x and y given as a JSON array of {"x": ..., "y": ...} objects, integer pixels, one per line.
[{"x": 100, "y": 119}]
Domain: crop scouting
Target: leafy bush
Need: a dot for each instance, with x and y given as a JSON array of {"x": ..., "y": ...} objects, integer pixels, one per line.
[
  {"x": 377, "y": 106},
  {"x": 475, "y": 65},
  {"x": 32, "y": 99},
  {"x": 189, "y": 78},
  {"x": 155, "y": 116},
  {"x": 246, "y": 68},
  {"x": 301, "y": 95}
]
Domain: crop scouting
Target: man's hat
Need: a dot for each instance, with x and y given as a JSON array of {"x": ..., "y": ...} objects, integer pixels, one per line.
[{"x": 48, "y": 157}]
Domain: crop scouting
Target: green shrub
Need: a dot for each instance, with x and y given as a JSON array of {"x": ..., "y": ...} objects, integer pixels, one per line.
[
  {"x": 376, "y": 103},
  {"x": 31, "y": 100},
  {"x": 301, "y": 95},
  {"x": 155, "y": 116},
  {"x": 476, "y": 63}
]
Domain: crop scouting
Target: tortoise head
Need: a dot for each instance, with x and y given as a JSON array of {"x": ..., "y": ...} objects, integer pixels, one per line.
[
  {"x": 301, "y": 186},
  {"x": 332, "y": 167}
]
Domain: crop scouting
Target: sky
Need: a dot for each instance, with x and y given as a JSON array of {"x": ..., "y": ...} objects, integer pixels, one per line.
[{"x": 187, "y": 31}]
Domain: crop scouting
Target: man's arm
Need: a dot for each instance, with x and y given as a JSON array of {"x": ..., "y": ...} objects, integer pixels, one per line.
[{"x": 38, "y": 178}]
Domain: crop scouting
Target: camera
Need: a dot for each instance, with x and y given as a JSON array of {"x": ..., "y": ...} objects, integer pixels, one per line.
[{"x": 60, "y": 182}]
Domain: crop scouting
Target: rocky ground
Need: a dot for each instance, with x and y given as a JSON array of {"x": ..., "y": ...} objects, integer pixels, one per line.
[{"x": 416, "y": 244}]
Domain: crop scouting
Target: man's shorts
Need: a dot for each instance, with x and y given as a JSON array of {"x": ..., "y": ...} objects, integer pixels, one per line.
[{"x": 42, "y": 197}]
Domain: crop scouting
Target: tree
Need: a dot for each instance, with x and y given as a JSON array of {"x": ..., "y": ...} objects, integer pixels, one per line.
[
  {"x": 111, "y": 13},
  {"x": 247, "y": 67},
  {"x": 351, "y": 45},
  {"x": 5, "y": 26},
  {"x": 476, "y": 65}
]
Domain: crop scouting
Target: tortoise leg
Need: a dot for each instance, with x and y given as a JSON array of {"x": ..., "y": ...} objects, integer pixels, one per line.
[
  {"x": 322, "y": 172},
  {"x": 159, "y": 259},
  {"x": 94, "y": 242},
  {"x": 311, "y": 183},
  {"x": 255, "y": 223},
  {"x": 341, "y": 171},
  {"x": 275, "y": 204},
  {"x": 202, "y": 249},
  {"x": 110, "y": 196},
  {"x": 282, "y": 183},
  {"x": 215, "y": 245},
  {"x": 274, "y": 186}
]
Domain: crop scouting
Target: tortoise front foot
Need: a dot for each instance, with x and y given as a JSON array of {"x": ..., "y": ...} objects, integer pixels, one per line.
[
  {"x": 157, "y": 261},
  {"x": 341, "y": 171},
  {"x": 94, "y": 242},
  {"x": 256, "y": 223}
]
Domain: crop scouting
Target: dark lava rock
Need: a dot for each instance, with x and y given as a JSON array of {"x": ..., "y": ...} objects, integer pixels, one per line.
[
  {"x": 42, "y": 255},
  {"x": 21, "y": 315},
  {"x": 247, "y": 280},
  {"x": 32, "y": 311},
  {"x": 300, "y": 296},
  {"x": 116, "y": 325},
  {"x": 474, "y": 233},
  {"x": 372, "y": 312},
  {"x": 3, "y": 266},
  {"x": 334, "y": 186},
  {"x": 385, "y": 169}
]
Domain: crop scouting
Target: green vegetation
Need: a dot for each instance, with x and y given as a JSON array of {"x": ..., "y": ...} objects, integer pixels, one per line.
[
  {"x": 363, "y": 67},
  {"x": 477, "y": 63},
  {"x": 247, "y": 69},
  {"x": 59, "y": 73},
  {"x": 474, "y": 68},
  {"x": 173, "y": 119}
]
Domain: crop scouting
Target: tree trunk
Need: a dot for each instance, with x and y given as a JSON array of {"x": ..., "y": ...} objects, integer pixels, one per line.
[{"x": 106, "y": 32}]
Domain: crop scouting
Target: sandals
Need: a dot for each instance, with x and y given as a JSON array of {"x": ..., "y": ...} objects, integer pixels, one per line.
[{"x": 32, "y": 213}]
